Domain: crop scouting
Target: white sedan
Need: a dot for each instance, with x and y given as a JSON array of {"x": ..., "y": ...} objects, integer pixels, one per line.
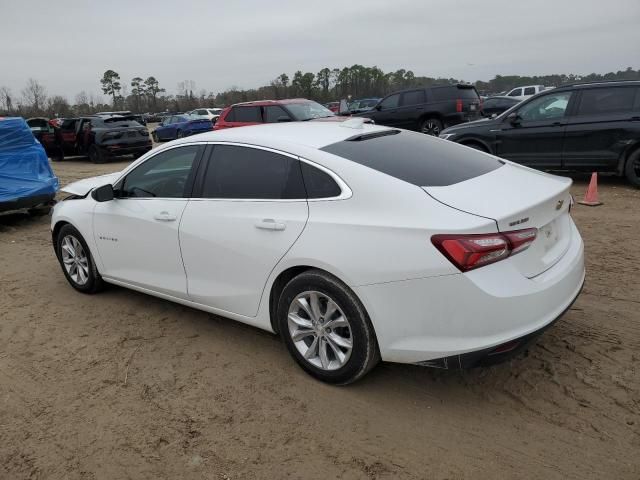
[{"x": 353, "y": 242}]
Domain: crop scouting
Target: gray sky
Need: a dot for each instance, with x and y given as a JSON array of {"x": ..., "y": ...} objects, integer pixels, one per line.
[{"x": 67, "y": 45}]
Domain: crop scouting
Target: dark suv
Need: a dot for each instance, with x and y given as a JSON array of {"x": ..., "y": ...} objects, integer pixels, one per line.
[
  {"x": 427, "y": 109},
  {"x": 103, "y": 137},
  {"x": 588, "y": 127}
]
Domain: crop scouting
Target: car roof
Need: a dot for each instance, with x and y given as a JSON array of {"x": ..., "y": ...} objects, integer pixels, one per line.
[
  {"x": 279, "y": 136},
  {"x": 599, "y": 84},
  {"x": 262, "y": 103}
]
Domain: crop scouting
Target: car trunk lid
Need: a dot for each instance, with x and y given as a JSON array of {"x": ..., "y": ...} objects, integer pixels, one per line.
[{"x": 517, "y": 198}]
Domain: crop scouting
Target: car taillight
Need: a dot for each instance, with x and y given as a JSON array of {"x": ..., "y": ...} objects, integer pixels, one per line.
[
  {"x": 477, "y": 250},
  {"x": 458, "y": 105}
]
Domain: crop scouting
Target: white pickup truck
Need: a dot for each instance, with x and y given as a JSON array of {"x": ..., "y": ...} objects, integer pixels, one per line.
[{"x": 526, "y": 91}]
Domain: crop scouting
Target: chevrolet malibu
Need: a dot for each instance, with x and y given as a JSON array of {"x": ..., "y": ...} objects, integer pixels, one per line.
[{"x": 355, "y": 243}]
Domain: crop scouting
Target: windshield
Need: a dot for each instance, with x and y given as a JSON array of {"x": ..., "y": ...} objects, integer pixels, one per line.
[{"x": 308, "y": 111}]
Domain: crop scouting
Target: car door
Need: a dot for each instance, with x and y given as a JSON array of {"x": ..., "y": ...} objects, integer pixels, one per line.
[
  {"x": 385, "y": 112},
  {"x": 137, "y": 232},
  {"x": 248, "y": 209},
  {"x": 163, "y": 128},
  {"x": 601, "y": 127},
  {"x": 411, "y": 109},
  {"x": 535, "y": 136}
]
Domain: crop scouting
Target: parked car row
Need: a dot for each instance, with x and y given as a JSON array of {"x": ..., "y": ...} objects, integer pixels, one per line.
[
  {"x": 588, "y": 127},
  {"x": 99, "y": 137}
]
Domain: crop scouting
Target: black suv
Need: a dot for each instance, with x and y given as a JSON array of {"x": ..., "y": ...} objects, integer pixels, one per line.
[
  {"x": 588, "y": 127},
  {"x": 427, "y": 109},
  {"x": 103, "y": 137}
]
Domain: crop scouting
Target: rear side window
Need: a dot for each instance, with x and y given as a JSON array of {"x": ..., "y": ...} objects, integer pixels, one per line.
[
  {"x": 607, "y": 100},
  {"x": 247, "y": 114},
  {"x": 415, "y": 158},
  {"x": 412, "y": 98},
  {"x": 318, "y": 183},
  {"x": 454, "y": 92},
  {"x": 530, "y": 91},
  {"x": 250, "y": 173},
  {"x": 272, "y": 114}
]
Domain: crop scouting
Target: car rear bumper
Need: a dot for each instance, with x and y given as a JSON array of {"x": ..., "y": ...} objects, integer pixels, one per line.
[
  {"x": 26, "y": 202},
  {"x": 434, "y": 318}
]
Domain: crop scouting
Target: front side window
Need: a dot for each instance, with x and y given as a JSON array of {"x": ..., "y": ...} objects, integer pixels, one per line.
[
  {"x": 548, "y": 107},
  {"x": 390, "y": 102},
  {"x": 162, "y": 176},
  {"x": 275, "y": 113},
  {"x": 247, "y": 114},
  {"x": 515, "y": 92},
  {"x": 413, "y": 98},
  {"x": 250, "y": 173},
  {"x": 606, "y": 100}
]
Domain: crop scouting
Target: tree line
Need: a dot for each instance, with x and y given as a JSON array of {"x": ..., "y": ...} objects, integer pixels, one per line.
[{"x": 145, "y": 94}]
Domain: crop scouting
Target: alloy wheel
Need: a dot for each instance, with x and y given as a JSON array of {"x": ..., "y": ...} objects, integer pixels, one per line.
[
  {"x": 74, "y": 259},
  {"x": 320, "y": 330},
  {"x": 431, "y": 127}
]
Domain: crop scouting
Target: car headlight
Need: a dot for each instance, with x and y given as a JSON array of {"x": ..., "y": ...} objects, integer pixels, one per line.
[{"x": 446, "y": 136}]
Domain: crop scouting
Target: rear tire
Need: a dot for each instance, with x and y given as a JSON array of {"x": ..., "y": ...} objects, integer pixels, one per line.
[
  {"x": 431, "y": 126},
  {"x": 76, "y": 261},
  {"x": 317, "y": 307},
  {"x": 95, "y": 155},
  {"x": 155, "y": 137},
  {"x": 632, "y": 169}
]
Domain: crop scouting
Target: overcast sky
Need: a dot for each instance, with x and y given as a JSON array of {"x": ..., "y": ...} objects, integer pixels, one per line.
[{"x": 67, "y": 45}]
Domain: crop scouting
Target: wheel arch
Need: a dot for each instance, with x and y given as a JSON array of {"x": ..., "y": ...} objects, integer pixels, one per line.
[
  {"x": 284, "y": 277},
  {"x": 622, "y": 162},
  {"x": 475, "y": 141}
]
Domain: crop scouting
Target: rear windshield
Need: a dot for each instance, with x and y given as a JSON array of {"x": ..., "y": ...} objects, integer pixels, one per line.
[
  {"x": 454, "y": 92},
  {"x": 415, "y": 158}
]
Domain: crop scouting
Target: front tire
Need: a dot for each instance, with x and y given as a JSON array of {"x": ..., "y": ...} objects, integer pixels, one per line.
[
  {"x": 76, "y": 261},
  {"x": 326, "y": 328},
  {"x": 632, "y": 169},
  {"x": 179, "y": 134},
  {"x": 431, "y": 126}
]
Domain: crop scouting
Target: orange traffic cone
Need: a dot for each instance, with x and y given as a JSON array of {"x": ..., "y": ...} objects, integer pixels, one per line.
[{"x": 591, "y": 197}]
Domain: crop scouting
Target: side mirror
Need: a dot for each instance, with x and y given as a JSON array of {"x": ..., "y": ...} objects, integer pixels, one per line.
[
  {"x": 378, "y": 107},
  {"x": 103, "y": 193},
  {"x": 493, "y": 115},
  {"x": 514, "y": 118},
  {"x": 283, "y": 118}
]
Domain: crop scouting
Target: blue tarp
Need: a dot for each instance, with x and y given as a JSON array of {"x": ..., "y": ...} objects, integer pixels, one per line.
[{"x": 24, "y": 166}]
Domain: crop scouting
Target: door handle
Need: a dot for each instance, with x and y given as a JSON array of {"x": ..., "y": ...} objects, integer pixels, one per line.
[
  {"x": 557, "y": 124},
  {"x": 270, "y": 224},
  {"x": 164, "y": 217},
  {"x": 635, "y": 119}
]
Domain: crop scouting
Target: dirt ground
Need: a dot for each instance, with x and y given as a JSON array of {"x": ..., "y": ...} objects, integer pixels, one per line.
[{"x": 122, "y": 385}]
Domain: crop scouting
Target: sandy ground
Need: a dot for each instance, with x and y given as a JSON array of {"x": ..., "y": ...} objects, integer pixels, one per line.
[{"x": 122, "y": 385}]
